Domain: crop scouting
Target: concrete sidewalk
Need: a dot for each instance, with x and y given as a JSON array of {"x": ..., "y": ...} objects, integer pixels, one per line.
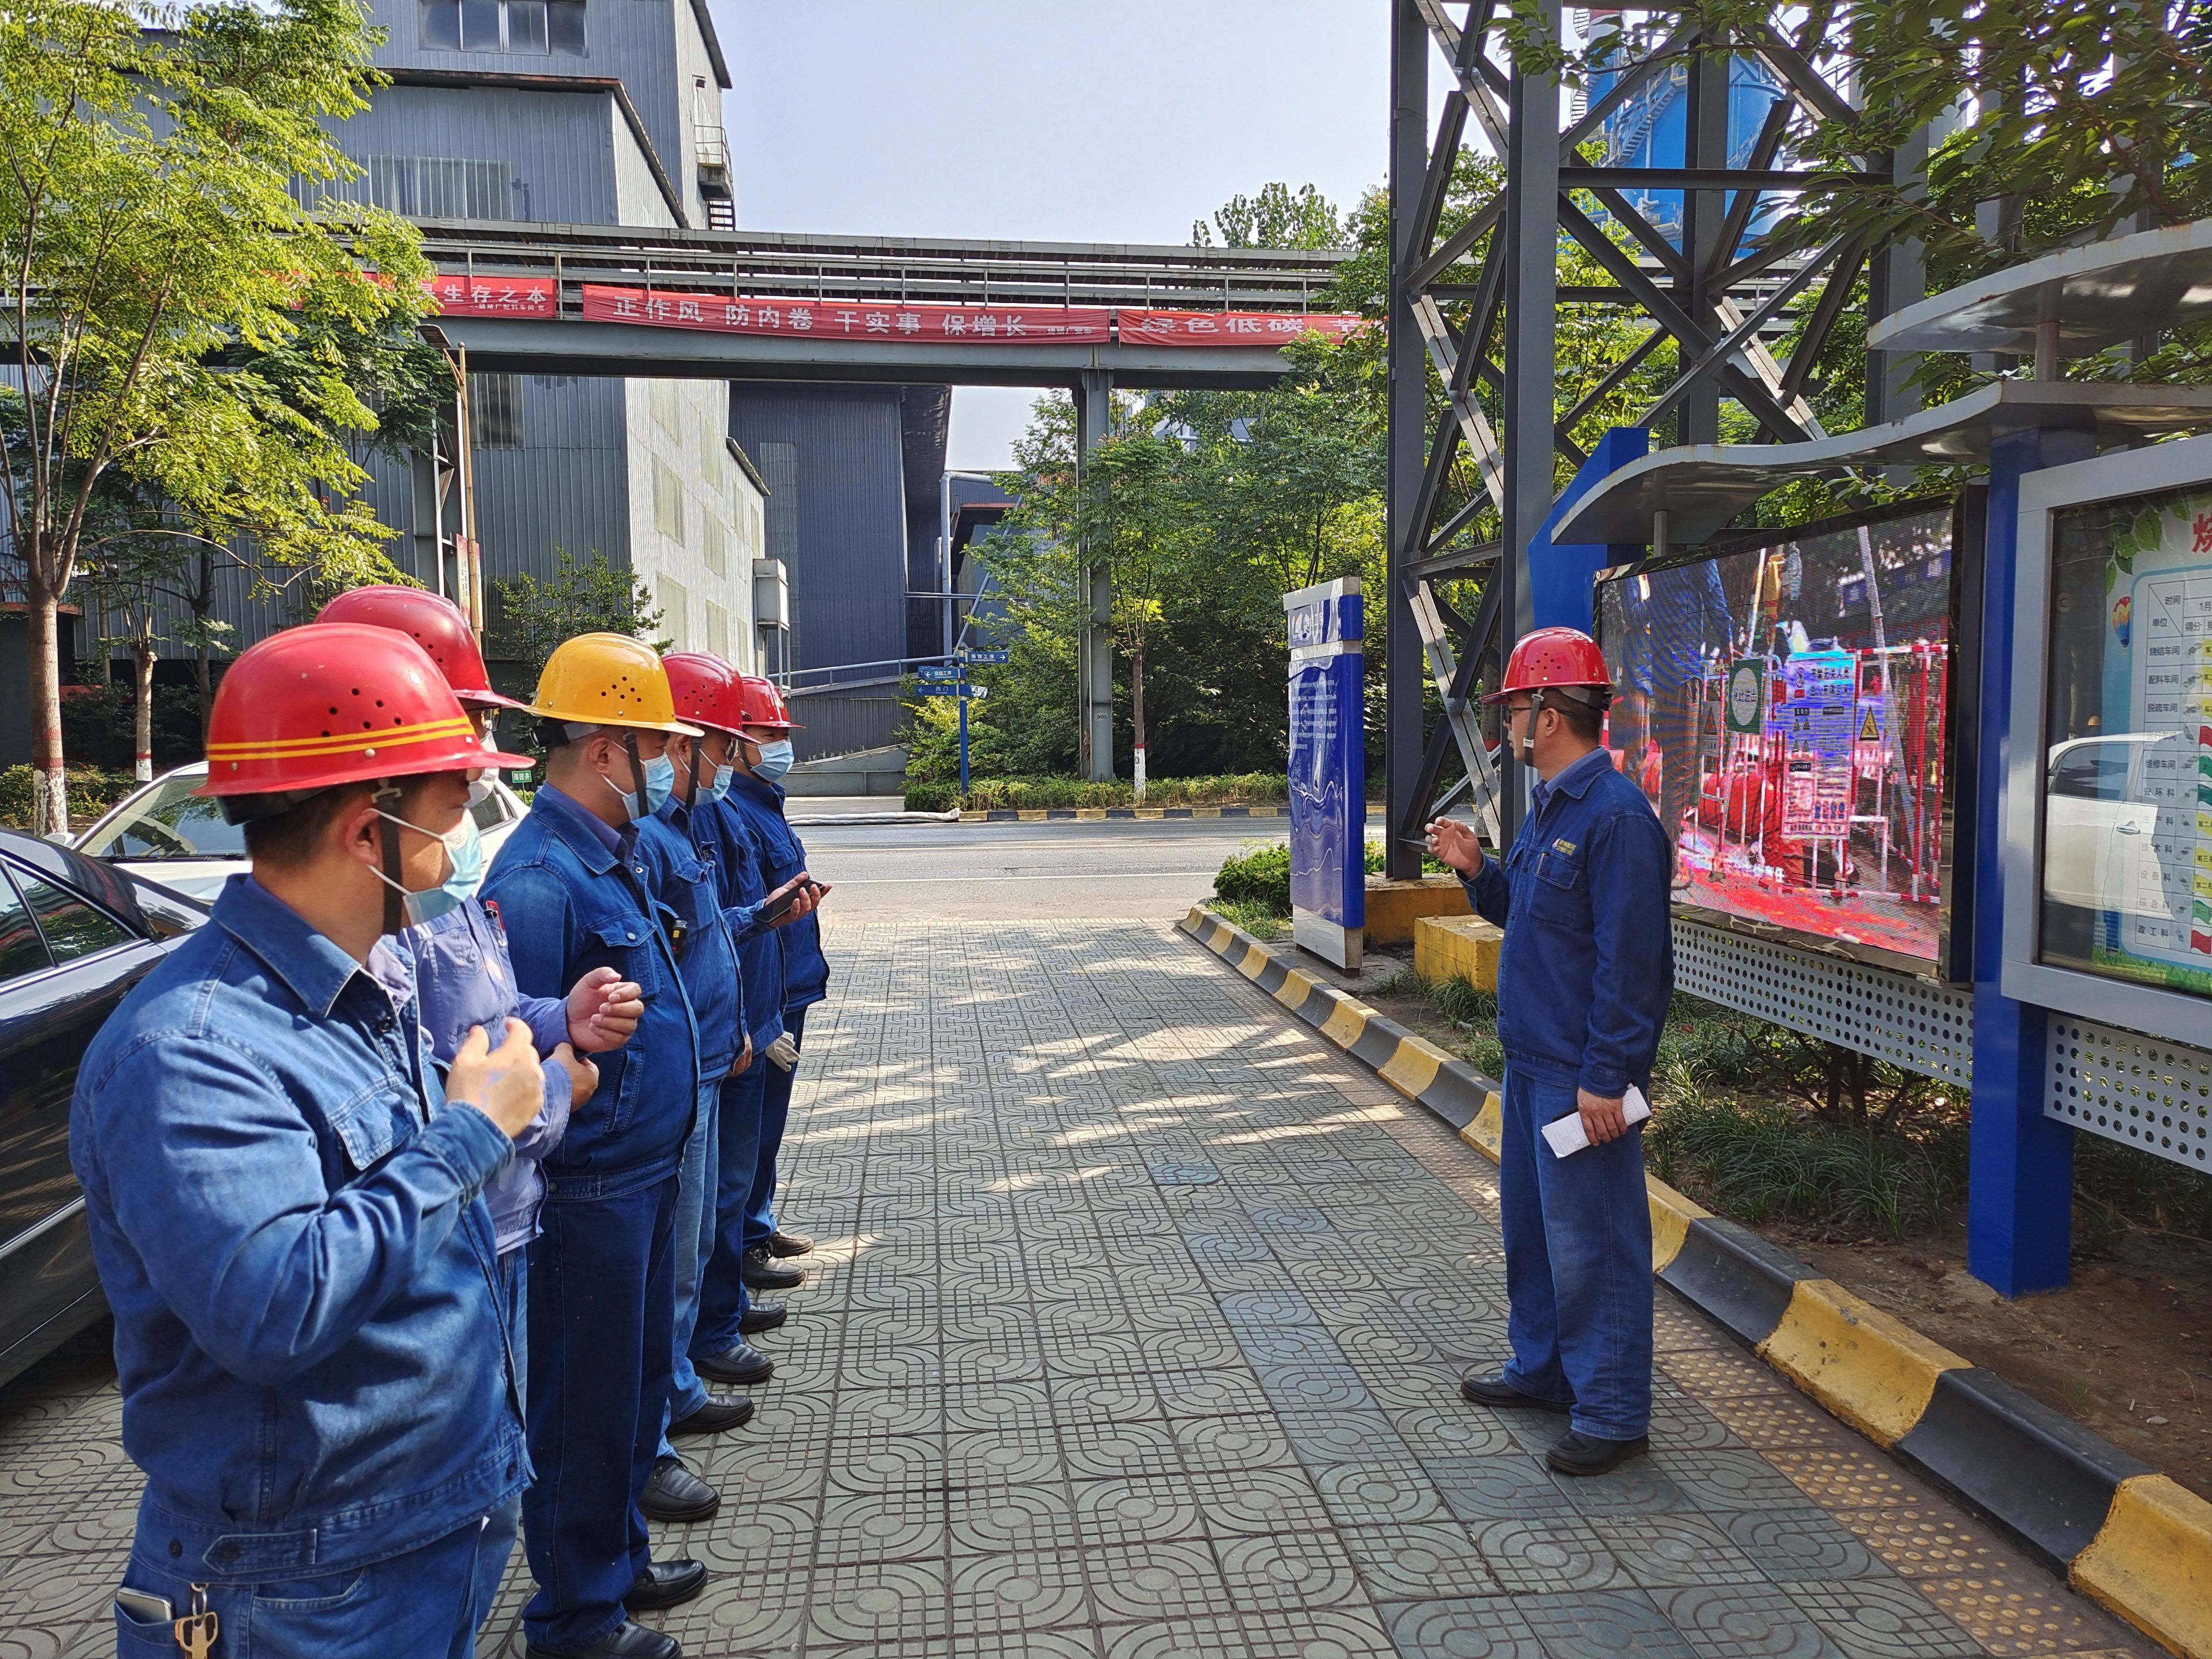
[{"x": 1135, "y": 1333}]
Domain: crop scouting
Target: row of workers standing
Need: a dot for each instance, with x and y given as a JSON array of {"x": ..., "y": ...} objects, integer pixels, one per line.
[{"x": 429, "y": 1198}]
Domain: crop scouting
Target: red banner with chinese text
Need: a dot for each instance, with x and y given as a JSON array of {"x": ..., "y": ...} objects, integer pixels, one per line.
[
  {"x": 1228, "y": 328},
  {"x": 459, "y": 295},
  {"x": 930, "y": 325}
]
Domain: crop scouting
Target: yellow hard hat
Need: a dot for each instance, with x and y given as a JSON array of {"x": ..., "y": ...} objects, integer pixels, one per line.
[{"x": 608, "y": 679}]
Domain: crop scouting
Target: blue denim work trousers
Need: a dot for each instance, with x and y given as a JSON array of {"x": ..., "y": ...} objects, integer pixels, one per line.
[
  {"x": 428, "y": 1601},
  {"x": 1578, "y": 1266},
  {"x": 602, "y": 1295},
  {"x": 776, "y": 1112},
  {"x": 695, "y": 1219},
  {"x": 723, "y": 1300},
  {"x": 514, "y": 1296}
]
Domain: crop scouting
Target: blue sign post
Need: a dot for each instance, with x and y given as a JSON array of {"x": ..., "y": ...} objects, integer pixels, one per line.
[
  {"x": 949, "y": 681},
  {"x": 1326, "y": 631}
]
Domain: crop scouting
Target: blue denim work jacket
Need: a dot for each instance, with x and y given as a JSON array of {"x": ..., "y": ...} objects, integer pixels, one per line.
[
  {"x": 680, "y": 871},
  {"x": 805, "y": 969},
  {"x": 464, "y": 977},
  {"x": 1588, "y": 966},
  {"x": 289, "y": 1224},
  {"x": 739, "y": 868},
  {"x": 574, "y": 896}
]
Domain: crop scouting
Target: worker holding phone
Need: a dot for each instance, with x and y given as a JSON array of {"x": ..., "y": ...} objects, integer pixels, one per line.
[
  {"x": 763, "y": 756},
  {"x": 1584, "y": 978}
]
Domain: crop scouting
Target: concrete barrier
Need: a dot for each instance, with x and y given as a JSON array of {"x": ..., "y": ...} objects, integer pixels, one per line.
[
  {"x": 1465, "y": 947},
  {"x": 1393, "y": 907}
]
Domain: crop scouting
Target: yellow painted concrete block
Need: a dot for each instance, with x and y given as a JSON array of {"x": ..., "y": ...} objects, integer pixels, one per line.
[
  {"x": 1465, "y": 947},
  {"x": 1345, "y": 1023},
  {"x": 1393, "y": 907},
  {"x": 2152, "y": 1563},
  {"x": 1413, "y": 1068},
  {"x": 1874, "y": 1371},
  {"x": 1671, "y": 1216},
  {"x": 1487, "y": 1134}
]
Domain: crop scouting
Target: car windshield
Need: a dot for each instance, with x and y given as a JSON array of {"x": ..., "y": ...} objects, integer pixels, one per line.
[{"x": 170, "y": 822}]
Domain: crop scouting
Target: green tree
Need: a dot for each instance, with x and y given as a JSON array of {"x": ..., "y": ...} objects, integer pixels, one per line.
[
  {"x": 530, "y": 617},
  {"x": 1276, "y": 218},
  {"x": 153, "y": 261}
]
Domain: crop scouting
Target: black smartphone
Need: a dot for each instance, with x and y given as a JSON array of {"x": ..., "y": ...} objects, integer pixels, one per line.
[{"x": 777, "y": 908}]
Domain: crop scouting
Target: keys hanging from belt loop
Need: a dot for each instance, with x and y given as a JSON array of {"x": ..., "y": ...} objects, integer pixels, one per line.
[{"x": 195, "y": 1631}]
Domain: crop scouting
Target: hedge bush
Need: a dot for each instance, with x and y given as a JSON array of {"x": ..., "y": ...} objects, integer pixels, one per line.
[
  {"x": 92, "y": 791},
  {"x": 1236, "y": 789}
]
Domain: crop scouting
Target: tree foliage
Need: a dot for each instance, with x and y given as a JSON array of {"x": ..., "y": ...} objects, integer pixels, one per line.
[
  {"x": 530, "y": 617},
  {"x": 178, "y": 317}
]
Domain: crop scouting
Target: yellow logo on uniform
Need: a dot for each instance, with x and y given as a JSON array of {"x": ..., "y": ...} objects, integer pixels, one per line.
[{"x": 1564, "y": 845}]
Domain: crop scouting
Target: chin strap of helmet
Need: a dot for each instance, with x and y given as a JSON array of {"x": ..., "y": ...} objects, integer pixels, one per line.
[
  {"x": 1527, "y": 754},
  {"x": 386, "y": 799}
]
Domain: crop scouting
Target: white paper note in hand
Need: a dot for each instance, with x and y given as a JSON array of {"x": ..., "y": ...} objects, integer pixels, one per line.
[{"x": 1567, "y": 1135}]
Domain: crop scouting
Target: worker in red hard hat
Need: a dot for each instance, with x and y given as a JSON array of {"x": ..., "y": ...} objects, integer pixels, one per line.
[
  {"x": 464, "y": 973},
  {"x": 1584, "y": 980},
  {"x": 287, "y": 1207}
]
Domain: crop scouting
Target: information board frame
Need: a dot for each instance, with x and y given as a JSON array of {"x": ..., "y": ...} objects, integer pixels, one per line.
[
  {"x": 2156, "y": 1010},
  {"x": 1951, "y": 963}
]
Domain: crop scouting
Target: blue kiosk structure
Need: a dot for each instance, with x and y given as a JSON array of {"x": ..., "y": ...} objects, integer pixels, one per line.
[{"x": 2076, "y": 994}]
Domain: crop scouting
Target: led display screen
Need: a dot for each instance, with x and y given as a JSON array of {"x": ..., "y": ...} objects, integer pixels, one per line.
[
  {"x": 2127, "y": 776},
  {"x": 1785, "y": 706}
]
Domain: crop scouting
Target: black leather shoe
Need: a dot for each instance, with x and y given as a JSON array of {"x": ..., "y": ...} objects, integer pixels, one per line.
[
  {"x": 627, "y": 1640},
  {"x": 1576, "y": 1453},
  {"x": 666, "y": 1584},
  {"x": 1498, "y": 1393},
  {"x": 762, "y": 1316},
  {"x": 721, "y": 1411},
  {"x": 780, "y": 1242},
  {"x": 675, "y": 1493},
  {"x": 740, "y": 1363},
  {"x": 760, "y": 1272}
]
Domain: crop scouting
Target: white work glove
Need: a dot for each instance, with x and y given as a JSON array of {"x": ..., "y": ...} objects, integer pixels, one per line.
[{"x": 783, "y": 1052}]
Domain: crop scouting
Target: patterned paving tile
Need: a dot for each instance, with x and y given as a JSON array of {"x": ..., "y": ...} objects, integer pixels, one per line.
[{"x": 1135, "y": 1332}]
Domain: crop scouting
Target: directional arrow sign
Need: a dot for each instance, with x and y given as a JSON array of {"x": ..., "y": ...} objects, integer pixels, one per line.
[
  {"x": 937, "y": 673},
  {"x": 953, "y": 690},
  {"x": 986, "y": 656}
]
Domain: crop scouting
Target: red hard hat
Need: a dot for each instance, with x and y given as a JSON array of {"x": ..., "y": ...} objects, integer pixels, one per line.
[
  {"x": 1552, "y": 656},
  {"x": 706, "y": 690},
  {"x": 762, "y": 704},
  {"x": 433, "y": 621},
  {"x": 336, "y": 702}
]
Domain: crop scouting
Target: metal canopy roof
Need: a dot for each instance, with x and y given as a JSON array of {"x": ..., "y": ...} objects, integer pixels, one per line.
[
  {"x": 2098, "y": 295},
  {"x": 1700, "y": 487}
]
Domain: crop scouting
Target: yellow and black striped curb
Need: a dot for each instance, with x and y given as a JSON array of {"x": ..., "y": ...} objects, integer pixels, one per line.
[
  {"x": 1097, "y": 814},
  {"x": 2134, "y": 1539}
]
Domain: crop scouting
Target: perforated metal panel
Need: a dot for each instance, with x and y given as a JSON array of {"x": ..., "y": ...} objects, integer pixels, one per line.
[
  {"x": 2139, "y": 1090},
  {"x": 1913, "y": 1023}
]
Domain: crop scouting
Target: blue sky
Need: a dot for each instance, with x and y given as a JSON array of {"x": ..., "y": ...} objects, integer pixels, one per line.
[{"x": 1045, "y": 121}]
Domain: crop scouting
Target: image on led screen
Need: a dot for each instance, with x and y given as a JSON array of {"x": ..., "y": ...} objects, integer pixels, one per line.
[
  {"x": 1785, "y": 709},
  {"x": 2127, "y": 787}
]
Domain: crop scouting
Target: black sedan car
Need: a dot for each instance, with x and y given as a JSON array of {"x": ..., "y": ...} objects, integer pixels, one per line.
[{"x": 75, "y": 937}]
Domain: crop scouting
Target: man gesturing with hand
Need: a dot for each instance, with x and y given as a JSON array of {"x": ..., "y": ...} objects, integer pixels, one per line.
[{"x": 1584, "y": 980}]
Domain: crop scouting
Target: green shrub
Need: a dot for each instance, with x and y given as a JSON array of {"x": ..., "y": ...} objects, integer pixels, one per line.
[
  {"x": 932, "y": 797},
  {"x": 92, "y": 791},
  {"x": 1260, "y": 875}
]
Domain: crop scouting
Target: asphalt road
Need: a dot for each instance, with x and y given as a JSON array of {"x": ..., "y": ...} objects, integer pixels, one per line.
[{"x": 1124, "y": 869}]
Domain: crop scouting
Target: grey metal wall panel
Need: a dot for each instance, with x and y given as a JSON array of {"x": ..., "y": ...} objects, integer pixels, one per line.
[
  {"x": 564, "y": 151},
  {"x": 848, "y": 571},
  {"x": 837, "y": 723}
]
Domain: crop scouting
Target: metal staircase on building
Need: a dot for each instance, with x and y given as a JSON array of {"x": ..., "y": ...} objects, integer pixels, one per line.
[{"x": 712, "y": 145}]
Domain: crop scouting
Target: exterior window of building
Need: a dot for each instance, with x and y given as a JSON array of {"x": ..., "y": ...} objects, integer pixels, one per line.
[
  {"x": 535, "y": 27},
  {"x": 495, "y": 411},
  {"x": 675, "y": 605},
  {"x": 667, "y": 415},
  {"x": 713, "y": 546},
  {"x": 718, "y": 630},
  {"x": 422, "y": 187},
  {"x": 667, "y": 501}
]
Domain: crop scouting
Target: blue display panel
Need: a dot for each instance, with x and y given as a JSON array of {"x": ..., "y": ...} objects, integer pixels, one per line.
[{"x": 1326, "y": 628}]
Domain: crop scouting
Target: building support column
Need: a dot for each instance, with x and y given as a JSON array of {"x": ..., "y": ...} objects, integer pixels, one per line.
[
  {"x": 1094, "y": 412},
  {"x": 1531, "y": 228},
  {"x": 1407, "y": 659}
]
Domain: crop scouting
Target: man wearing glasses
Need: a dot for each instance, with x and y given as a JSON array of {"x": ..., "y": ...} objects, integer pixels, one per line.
[{"x": 1584, "y": 979}]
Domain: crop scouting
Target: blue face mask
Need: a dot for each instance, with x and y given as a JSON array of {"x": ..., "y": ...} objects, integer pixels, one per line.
[
  {"x": 774, "y": 759},
  {"x": 659, "y": 785},
  {"x": 724, "y": 777},
  {"x": 465, "y": 871}
]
